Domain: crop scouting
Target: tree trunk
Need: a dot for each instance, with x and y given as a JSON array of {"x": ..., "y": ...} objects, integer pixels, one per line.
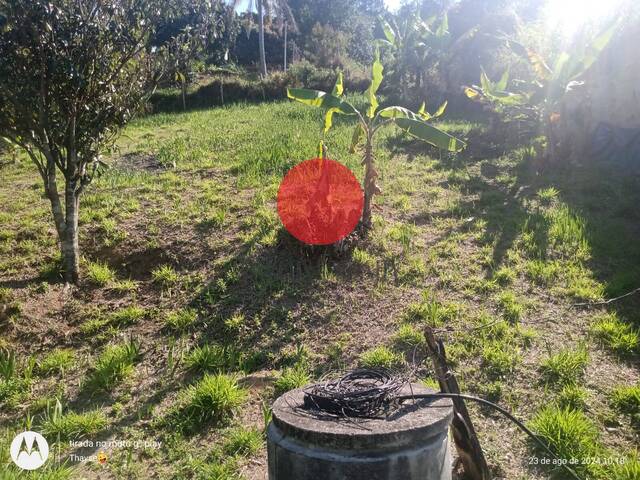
[
  {"x": 285, "y": 46},
  {"x": 263, "y": 58},
  {"x": 69, "y": 242},
  {"x": 370, "y": 187}
]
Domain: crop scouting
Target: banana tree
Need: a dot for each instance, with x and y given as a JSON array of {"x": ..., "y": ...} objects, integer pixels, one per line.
[
  {"x": 541, "y": 98},
  {"x": 369, "y": 123},
  {"x": 412, "y": 40}
]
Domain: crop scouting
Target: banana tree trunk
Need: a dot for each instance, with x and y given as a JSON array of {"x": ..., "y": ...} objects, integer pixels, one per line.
[
  {"x": 370, "y": 187},
  {"x": 263, "y": 58}
]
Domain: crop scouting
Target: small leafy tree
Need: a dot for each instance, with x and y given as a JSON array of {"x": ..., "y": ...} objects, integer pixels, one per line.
[
  {"x": 370, "y": 122},
  {"x": 71, "y": 75},
  {"x": 539, "y": 101}
]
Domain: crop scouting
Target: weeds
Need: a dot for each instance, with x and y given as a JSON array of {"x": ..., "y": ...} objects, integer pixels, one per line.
[
  {"x": 114, "y": 365},
  {"x": 620, "y": 337},
  {"x": 100, "y": 273},
  {"x": 380, "y": 357},
  {"x": 565, "y": 367},
  {"x": 180, "y": 320},
  {"x": 72, "y": 426},
  {"x": 214, "y": 398},
  {"x": 291, "y": 378},
  {"x": 57, "y": 361},
  {"x": 242, "y": 441}
]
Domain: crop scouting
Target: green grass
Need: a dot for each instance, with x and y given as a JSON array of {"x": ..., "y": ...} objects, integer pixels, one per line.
[
  {"x": 100, "y": 273},
  {"x": 71, "y": 425},
  {"x": 617, "y": 335},
  {"x": 291, "y": 378},
  {"x": 114, "y": 364},
  {"x": 504, "y": 276},
  {"x": 627, "y": 399},
  {"x": 573, "y": 397},
  {"x": 380, "y": 357},
  {"x": 180, "y": 320},
  {"x": 408, "y": 336},
  {"x": 165, "y": 275},
  {"x": 500, "y": 358},
  {"x": 57, "y": 361},
  {"x": 211, "y": 358},
  {"x": 241, "y": 441},
  {"x": 214, "y": 398},
  {"x": 120, "y": 318},
  {"x": 569, "y": 433},
  {"x": 512, "y": 308},
  {"x": 565, "y": 367}
]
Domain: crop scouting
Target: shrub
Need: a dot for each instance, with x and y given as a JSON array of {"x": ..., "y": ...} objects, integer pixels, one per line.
[
  {"x": 565, "y": 367},
  {"x": 380, "y": 357}
]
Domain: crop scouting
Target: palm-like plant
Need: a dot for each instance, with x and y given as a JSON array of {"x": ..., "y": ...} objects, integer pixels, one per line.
[
  {"x": 370, "y": 122},
  {"x": 540, "y": 99}
]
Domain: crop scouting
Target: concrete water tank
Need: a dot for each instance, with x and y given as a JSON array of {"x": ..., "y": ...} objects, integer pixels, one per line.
[{"x": 411, "y": 444}]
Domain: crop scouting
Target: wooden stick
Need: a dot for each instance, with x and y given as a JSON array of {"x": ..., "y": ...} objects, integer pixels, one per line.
[{"x": 464, "y": 435}]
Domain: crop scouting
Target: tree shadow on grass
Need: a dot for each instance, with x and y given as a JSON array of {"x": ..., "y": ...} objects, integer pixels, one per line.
[{"x": 260, "y": 286}]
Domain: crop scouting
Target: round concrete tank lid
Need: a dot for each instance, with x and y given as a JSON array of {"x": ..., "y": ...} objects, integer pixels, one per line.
[{"x": 414, "y": 422}]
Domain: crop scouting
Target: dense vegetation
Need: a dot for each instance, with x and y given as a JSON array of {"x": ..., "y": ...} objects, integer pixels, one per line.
[{"x": 194, "y": 308}]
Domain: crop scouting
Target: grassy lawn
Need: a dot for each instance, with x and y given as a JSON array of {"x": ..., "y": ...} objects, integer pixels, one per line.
[{"x": 196, "y": 307}]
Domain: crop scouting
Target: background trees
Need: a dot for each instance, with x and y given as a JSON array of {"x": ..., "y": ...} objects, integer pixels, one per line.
[{"x": 71, "y": 75}]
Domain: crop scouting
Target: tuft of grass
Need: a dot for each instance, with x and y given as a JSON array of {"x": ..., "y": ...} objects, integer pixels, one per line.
[
  {"x": 431, "y": 312},
  {"x": 499, "y": 357},
  {"x": 363, "y": 258},
  {"x": 57, "y": 361},
  {"x": 617, "y": 335},
  {"x": 380, "y": 357},
  {"x": 180, "y": 320},
  {"x": 211, "y": 358},
  {"x": 573, "y": 397},
  {"x": 214, "y": 398},
  {"x": 120, "y": 318},
  {"x": 165, "y": 275},
  {"x": 408, "y": 336},
  {"x": 512, "y": 308},
  {"x": 504, "y": 276},
  {"x": 546, "y": 195},
  {"x": 629, "y": 469},
  {"x": 569, "y": 433},
  {"x": 71, "y": 425},
  {"x": 626, "y": 399},
  {"x": 291, "y": 378},
  {"x": 542, "y": 272},
  {"x": 115, "y": 364},
  {"x": 565, "y": 367},
  {"x": 100, "y": 273},
  {"x": 242, "y": 441},
  {"x": 124, "y": 286}
]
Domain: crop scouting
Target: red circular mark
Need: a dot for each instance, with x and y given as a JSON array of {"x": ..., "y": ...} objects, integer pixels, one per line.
[{"x": 320, "y": 201}]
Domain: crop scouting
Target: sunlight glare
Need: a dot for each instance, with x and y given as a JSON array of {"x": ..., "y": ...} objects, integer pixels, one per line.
[{"x": 567, "y": 16}]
